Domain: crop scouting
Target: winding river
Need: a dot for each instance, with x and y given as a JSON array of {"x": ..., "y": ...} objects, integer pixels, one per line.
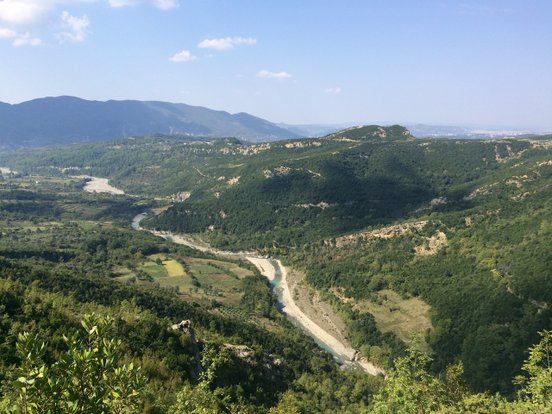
[{"x": 276, "y": 273}]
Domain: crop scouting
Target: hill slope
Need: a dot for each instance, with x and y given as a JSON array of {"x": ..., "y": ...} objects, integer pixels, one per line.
[
  {"x": 380, "y": 224},
  {"x": 63, "y": 120}
]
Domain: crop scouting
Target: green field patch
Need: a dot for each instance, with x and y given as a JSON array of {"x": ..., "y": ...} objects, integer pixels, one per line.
[
  {"x": 393, "y": 313},
  {"x": 155, "y": 270},
  {"x": 210, "y": 276},
  {"x": 218, "y": 280},
  {"x": 184, "y": 284},
  {"x": 203, "y": 279},
  {"x": 218, "y": 266}
]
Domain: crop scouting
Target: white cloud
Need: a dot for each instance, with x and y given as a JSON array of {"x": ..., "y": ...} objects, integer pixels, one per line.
[
  {"x": 17, "y": 16},
  {"x": 21, "y": 12},
  {"x": 28, "y": 12},
  {"x": 19, "y": 39},
  {"x": 273, "y": 75},
  {"x": 160, "y": 4},
  {"x": 226, "y": 43},
  {"x": 7, "y": 33},
  {"x": 184, "y": 56},
  {"x": 77, "y": 28},
  {"x": 123, "y": 3},
  {"x": 165, "y": 4},
  {"x": 333, "y": 91},
  {"x": 26, "y": 40}
]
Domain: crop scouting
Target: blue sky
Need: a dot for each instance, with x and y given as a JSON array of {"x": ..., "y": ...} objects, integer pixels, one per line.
[{"x": 485, "y": 63}]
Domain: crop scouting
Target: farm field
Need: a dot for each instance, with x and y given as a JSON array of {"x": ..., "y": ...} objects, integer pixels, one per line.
[{"x": 196, "y": 278}]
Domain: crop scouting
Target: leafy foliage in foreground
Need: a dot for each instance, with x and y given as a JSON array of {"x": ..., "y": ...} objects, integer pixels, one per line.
[
  {"x": 410, "y": 389},
  {"x": 88, "y": 377}
]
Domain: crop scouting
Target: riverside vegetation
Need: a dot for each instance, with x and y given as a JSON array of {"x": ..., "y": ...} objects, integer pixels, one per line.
[{"x": 435, "y": 253}]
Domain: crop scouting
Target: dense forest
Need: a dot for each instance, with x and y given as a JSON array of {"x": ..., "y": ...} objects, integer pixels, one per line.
[{"x": 434, "y": 252}]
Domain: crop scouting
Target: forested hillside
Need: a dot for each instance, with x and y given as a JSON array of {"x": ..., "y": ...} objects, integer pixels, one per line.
[
  {"x": 436, "y": 253},
  {"x": 66, "y": 119},
  {"x": 64, "y": 254}
]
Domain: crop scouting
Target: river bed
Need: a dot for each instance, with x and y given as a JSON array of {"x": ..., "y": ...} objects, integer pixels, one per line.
[
  {"x": 276, "y": 273},
  {"x": 98, "y": 185}
]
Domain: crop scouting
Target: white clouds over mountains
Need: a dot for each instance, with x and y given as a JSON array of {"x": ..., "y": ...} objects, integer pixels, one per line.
[
  {"x": 228, "y": 43},
  {"x": 223, "y": 43}
]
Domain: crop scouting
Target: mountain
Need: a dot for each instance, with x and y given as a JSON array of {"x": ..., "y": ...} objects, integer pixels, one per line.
[{"x": 65, "y": 119}]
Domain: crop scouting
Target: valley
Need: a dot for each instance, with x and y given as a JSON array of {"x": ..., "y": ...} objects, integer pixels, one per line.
[
  {"x": 374, "y": 243},
  {"x": 316, "y": 319}
]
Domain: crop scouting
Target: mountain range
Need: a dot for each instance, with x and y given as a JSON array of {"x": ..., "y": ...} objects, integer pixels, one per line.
[{"x": 66, "y": 119}]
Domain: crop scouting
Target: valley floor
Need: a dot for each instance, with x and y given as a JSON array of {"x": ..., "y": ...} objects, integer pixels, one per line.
[{"x": 302, "y": 306}]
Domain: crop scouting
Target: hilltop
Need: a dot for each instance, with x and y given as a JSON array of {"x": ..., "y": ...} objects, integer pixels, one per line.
[{"x": 373, "y": 132}]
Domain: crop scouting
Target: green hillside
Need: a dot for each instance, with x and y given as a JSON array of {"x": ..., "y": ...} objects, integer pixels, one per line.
[
  {"x": 438, "y": 245},
  {"x": 64, "y": 254}
]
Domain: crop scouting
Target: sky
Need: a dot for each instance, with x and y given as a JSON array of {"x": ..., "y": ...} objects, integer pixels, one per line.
[{"x": 466, "y": 62}]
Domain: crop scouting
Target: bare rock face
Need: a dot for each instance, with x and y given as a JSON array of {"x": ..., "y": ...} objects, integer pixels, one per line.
[{"x": 185, "y": 326}]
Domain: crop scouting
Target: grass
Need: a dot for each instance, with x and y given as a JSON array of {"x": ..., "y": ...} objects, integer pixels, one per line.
[
  {"x": 87, "y": 224},
  {"x": 173, "y": 268},
  {"x": 214, "y": 274},
  {"x": 217, "y": 279},
  {"x": 218, "y": 266},
  {"x": 155, "y": 270},
  {"x": 403, "y": 317},
  {"x": 184, "y": 283}
]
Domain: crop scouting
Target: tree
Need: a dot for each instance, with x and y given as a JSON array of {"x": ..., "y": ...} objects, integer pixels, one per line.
[
  {"x": 536, "y": 391},
  {"x": 409, "y": 388},
  {"x": 88, "y": 378},
  {"x": 203, "y": 399}
]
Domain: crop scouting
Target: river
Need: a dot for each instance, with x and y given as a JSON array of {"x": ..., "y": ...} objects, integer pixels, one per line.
[{"x": 276, "y": 273}]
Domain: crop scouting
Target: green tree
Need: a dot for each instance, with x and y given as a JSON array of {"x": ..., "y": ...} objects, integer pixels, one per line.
[
  {"x": 536, "y": 391},
  {"x": 205, "y": 397},
  {"x": 88, "y": 378},
  {"x": 409, "y": 388}
]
